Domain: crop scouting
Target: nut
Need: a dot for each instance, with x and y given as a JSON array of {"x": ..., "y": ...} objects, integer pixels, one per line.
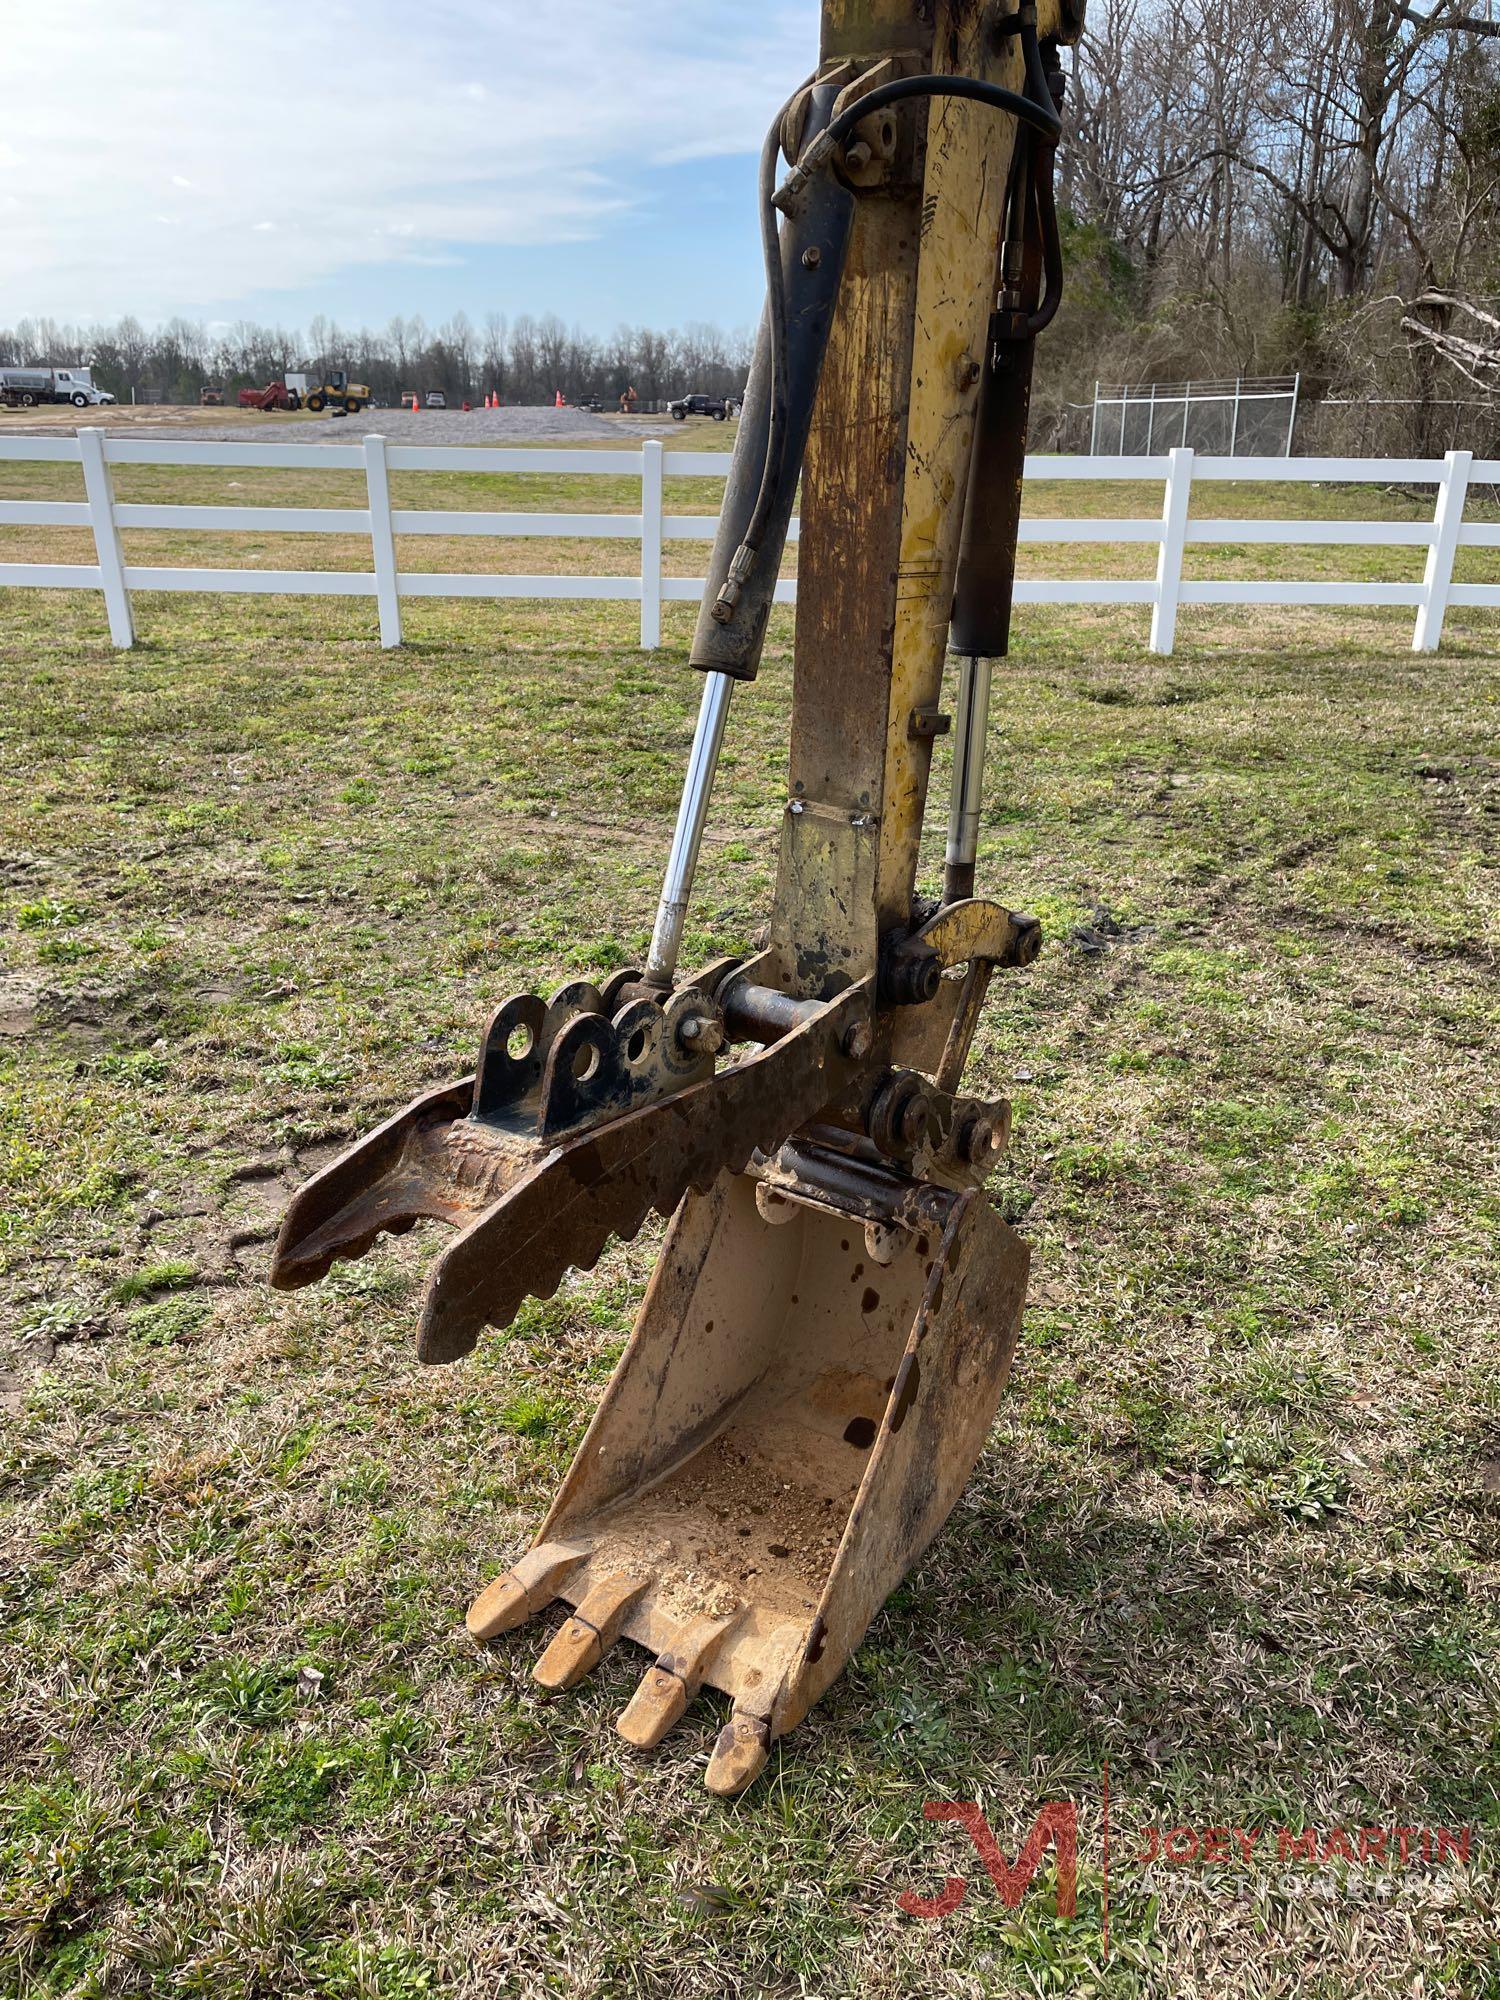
[
  {"x": 1027, "y": 941},
  {"x": 912, "y": 978},
  {"x": 902, "y": 1117}
]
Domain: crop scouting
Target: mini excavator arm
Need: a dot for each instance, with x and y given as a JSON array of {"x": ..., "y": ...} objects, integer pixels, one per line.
[{"x": 832, "y": 1318}]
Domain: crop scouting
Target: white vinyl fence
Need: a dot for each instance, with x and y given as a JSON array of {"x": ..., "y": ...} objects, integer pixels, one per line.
[{"x": 1170, "y": 534}]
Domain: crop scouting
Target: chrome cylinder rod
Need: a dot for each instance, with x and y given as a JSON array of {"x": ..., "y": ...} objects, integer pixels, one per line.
[
  {"x": 692, "y": 815},
  {"x": 971, "y": 728}
]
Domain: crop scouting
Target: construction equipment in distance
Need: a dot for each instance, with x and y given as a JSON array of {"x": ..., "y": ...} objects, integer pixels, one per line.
[
  {"x": 274, "y": 396},
  {"x": 330, "y": 390},
  {"x": 831, "y": 1319}
]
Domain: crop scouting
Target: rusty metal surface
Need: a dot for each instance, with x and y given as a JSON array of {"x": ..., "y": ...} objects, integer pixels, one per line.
[
  {"x": 787, "y": 1430},
  {"x": 823, "y": 927},
  {"x": 530, "y": 1208},
  {"x": 606, "y": 1182}
]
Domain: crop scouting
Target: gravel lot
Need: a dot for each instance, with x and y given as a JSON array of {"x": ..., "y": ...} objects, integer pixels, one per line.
[
  {"x": 521, "y": 426},
  {"x": 504, "y": 427}
]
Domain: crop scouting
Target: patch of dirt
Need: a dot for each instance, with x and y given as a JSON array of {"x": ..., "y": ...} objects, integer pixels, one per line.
[
  {"x": 1103, "y": 933},
  {"x": 94, "y": 1010},
  {"x": 17, "y": 1369},
  {"x": 20, "y": 1000},
  {"x": 249, "y": 1217},
  {"x": 515, "y": 426},
  {"x": 19, "y": 871}
]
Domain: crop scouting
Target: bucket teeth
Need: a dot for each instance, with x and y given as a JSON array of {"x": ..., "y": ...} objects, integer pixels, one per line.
[
  {"x": 522, "y": 1592},
  {"x": 661, "y": 1700},
  {"x": 658, "y": 1704},
  {"x": 740, "y": 1755},
  {"x": 589, "y": 1633}
]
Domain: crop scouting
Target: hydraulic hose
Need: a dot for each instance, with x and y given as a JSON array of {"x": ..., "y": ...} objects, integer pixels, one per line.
[
  {"x": 1038, "y": 115},
  {"x": 1035, "y": 112}
]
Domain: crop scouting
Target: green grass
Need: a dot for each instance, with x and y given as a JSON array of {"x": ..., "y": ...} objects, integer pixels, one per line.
[{"x": 1235, "y": 1528}]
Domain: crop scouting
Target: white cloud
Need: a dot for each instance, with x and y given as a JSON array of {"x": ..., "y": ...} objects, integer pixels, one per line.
[{"x": 393, "y": 134}]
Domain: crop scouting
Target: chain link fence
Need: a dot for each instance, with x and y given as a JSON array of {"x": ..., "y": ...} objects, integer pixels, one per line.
[{"x": 1249, "y": 417}]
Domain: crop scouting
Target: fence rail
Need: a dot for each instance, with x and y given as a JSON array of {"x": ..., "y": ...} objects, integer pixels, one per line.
[{"x": 1172, "y": 533}]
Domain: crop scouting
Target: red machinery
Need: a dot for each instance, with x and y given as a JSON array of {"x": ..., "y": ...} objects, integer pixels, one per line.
[{"x": 275, "y": 396}]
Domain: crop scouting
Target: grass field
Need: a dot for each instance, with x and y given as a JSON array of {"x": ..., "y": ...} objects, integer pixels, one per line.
[{"x": 1235, "y": 1530}]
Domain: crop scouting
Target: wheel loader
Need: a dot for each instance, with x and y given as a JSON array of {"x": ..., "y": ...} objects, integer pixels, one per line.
[
  {"x": 329, "y": 389},
  {"x": 831, "y": 1320}
]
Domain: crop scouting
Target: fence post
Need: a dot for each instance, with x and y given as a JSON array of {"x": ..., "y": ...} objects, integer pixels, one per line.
[
  {"x": 651, "y": 520},
  {"x": 1447, "y": 520},
  {"x": 1174, "y": 519},
  {"x": 383, "y": 541},
  {"x": 99, "y": 488}
]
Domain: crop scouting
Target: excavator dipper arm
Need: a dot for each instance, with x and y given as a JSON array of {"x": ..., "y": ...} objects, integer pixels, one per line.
[{"x": 833, "y": 1312}]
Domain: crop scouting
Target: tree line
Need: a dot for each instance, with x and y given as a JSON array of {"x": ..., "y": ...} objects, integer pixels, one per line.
[
  {"x": 524, "y": 360},
  {"x": 1311, "y": 188}
]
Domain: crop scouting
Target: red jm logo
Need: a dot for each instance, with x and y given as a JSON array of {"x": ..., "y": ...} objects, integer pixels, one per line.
[{"x": 1057, "y": 1823}]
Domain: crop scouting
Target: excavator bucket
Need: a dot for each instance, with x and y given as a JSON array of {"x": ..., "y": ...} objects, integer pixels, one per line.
[
  {"x": 800, "y": 1406},
  {"x": 832, "y": 1318}
]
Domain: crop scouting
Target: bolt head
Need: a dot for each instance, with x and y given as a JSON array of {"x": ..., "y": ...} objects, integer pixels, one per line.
[
  {"x": 702, "y": 1034},
  {"x": 859, "y": 1039}
]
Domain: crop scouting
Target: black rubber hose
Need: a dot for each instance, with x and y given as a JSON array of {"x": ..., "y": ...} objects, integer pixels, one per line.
[
  {"x": 1045, "y": 209},
  {"x": 770, "y": 244},
  {"x": 1039, "y": 90},
  {"x": 1038, "y": 115}
]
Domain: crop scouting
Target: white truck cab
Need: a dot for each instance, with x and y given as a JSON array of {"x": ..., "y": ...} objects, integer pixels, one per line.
[{"x": 76, "y": 386}]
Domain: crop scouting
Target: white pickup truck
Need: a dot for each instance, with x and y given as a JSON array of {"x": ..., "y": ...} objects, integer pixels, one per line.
[{"x": 26, "y": 386}]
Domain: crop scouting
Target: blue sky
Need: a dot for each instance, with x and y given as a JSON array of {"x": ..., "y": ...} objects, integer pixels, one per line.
[{"x": 270, "y": 161}]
